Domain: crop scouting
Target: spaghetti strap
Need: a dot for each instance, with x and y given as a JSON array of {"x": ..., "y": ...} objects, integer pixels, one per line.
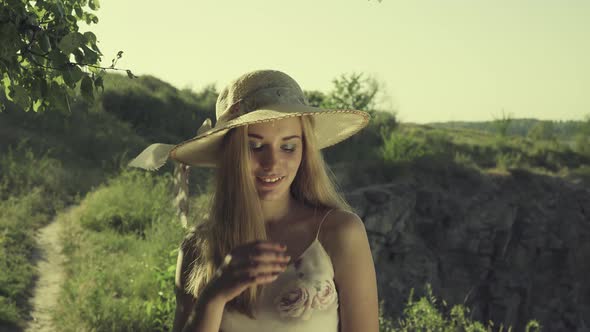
[{"x": 321, "y": 222}]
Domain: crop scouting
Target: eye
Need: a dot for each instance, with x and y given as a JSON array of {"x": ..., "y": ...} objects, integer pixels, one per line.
[
  {"x": 255, "y": 145},
  {"x": 289, "y": 147}
]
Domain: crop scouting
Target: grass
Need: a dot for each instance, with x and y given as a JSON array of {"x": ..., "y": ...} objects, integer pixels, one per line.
[
  {"x": 483, "y": 151},
  {"x": 429, "y": 314},
  {"x": 121, "y": 240},
  {"x": 121, "y": 278},
  {"x": 30, "y": 193},
  {"x": 49, "y": 159}
]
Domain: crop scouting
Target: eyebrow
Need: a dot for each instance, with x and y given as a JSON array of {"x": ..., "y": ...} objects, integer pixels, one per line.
[{"x": 284, "y": 138}]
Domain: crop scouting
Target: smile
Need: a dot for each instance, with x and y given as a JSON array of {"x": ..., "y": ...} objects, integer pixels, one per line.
[{"x": 270, "y": 180}]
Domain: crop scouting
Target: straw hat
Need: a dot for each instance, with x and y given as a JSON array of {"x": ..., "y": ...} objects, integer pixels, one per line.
[{"x": 257, "y": 96}]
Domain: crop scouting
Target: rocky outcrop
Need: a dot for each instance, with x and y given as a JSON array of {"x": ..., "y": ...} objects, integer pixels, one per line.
[{"x": 511, "y": 247}]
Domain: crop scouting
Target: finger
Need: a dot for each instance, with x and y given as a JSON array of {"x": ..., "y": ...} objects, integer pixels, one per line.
[
  {"x": 268, "y": 256},
  {"x": 270, "y": 245},
  {"x": 265, "y": 278},
  {"x": 252, "y": 279},
  {"x": 257, "y": 267}
]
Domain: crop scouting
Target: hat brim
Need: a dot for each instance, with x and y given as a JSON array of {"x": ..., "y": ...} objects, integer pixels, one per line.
[{"x": 331, "y": 127}]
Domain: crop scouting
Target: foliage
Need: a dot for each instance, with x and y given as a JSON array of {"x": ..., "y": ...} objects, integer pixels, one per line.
[
  {"x": 21, "y": 171},
  {"x": 155, "y": 109},
  {"x": 479, "y": 150},
  {"x": 543, "y": 130},
  {"x": 502, "y": 124},
  {"x": 364, "y": 145},
  {"x": 315, "y": 98},
  {"x": 129, "y": 203},
  {"x": 582, "y": 140},
  {"x": 38, "y": 40},
  {"x": 17, "y": 217},
  {"x": 121, "y": 281},
  {"x": 398, "y": 147},
  {"x": 30, "y": 192},
  {"x": 162, "y": 308},
  {"x": 426, "y": 315},
  {"x": 353, "y": 91},
  {"x": 564, "y": 130}
]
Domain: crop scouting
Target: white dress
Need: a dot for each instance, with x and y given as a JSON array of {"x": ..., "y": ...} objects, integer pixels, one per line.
[{"x": 302, "y": 298}]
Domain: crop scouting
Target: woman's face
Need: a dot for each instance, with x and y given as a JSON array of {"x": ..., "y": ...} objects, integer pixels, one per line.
[{"x": 276, "y": 149}]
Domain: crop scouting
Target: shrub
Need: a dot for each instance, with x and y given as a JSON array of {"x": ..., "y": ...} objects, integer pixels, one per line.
[
  {"x": 21, "y": 170},
  {"x": 399, "y": 147},
  {"x": 130, "y": 203},
  {"x": 426, "y": 315}
]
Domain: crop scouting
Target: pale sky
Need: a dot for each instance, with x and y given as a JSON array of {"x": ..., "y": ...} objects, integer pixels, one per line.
[{"x": 438, "y": 60}]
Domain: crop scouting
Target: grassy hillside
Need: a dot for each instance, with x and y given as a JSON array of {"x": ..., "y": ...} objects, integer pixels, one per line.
[
  {"x": 121, "y": 239},
  {"x": 49, "y": 160},
  {"x": 563, "y": 130}
]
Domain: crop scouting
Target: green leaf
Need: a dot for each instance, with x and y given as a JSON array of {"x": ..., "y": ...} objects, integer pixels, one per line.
[
  {"x": 37, "y": 104},
  {"x": 44, "y": 42},
  {"x": 86, "y": 88},
  {"x": 72, "y": 75},
  {"x": 94, "y": 4},
  {"x": 10, "y": 40},
  {"x": 21, "y": 97},
  {"x": 79, "y": 55},
  {"x": 79, "y": 12},
  {"x": 70, "y": 42},
  {"x": 59, "y": 9},
  {"x": 6, "y": 84},
  {"x": 130, "y": 74},
  {"x": 59, "y": 59},
  {"x": 98, "y": 82},
  {"x": 57, "y": 97},
  {"x": 90, "y": 37},
  {"x": 90, "y": 57}
]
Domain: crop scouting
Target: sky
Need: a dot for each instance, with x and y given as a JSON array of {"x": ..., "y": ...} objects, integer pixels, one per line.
[{"x": 436, "y": 60}]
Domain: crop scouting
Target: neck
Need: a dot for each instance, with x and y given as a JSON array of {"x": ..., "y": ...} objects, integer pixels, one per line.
[{"x": 276, "y": 211}]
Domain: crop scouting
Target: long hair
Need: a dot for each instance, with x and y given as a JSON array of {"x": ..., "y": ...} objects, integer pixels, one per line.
[{"x": 236, "y": 216}]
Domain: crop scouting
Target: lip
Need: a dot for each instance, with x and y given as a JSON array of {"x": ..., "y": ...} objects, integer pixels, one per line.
[{"x": 269, "y": 184}]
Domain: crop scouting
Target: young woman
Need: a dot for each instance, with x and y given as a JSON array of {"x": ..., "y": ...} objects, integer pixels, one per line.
[{"x": 281, "y": 250}]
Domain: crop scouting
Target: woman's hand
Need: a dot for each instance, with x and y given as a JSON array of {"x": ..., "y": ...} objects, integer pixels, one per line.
[{"x": 248, "y": 265}]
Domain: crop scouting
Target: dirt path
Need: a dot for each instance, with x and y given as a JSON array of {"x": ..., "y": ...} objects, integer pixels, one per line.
[{"x": 49, "y": 264}]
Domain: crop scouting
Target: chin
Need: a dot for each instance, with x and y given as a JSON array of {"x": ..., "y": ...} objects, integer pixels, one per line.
[
  {"x": 271, "y": 196},
  {"x": 274, "y": 194}
]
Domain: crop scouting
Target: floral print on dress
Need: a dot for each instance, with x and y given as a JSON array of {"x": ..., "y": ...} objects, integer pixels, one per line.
[
  {"x": 325, "y": 294},
  {"x": 300, "y": 298}
]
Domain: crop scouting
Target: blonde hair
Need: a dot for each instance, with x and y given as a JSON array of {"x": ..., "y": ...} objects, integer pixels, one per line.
[{"x": 236, "y": 217}]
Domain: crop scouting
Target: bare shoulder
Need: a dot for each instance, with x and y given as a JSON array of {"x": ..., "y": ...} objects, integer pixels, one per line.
[
  {"x": 340, "y": 223},
  {"x": 340, "y": 230}
]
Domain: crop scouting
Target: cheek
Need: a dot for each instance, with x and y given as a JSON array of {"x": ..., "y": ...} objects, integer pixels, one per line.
[{"x": 295, "y": 162}]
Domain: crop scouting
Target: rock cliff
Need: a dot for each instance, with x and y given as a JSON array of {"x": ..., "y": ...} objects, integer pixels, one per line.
[{"x": 512, "y": 247}]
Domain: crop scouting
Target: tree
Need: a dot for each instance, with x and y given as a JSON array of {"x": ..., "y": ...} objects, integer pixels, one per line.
[
  {"x": 353, "y": 92},
  {"x": 43, "y": 54},
  {"x": 315, "y": 98}
]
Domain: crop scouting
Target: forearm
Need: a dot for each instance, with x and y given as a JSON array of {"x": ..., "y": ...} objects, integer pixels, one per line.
[{"x": 205, "y": 316}]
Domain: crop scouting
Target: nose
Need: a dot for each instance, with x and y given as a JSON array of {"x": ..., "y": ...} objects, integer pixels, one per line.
[{"x": 269, "y": 159}]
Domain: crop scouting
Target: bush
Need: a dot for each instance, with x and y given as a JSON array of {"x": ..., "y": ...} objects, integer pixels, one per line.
[
  {"x": 399, "y": 147},
  {"x": 129, "y": 203},
  {"x": 21, "y": 170},
  {"x": 426, "y": 315}
]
